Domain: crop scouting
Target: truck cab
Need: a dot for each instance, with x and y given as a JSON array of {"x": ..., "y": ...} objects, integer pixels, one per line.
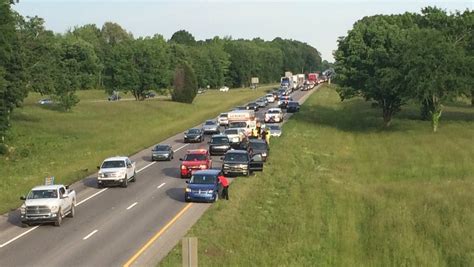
[
  {"x": 116, "y": 171},
  {"x": 47, "y": 203}
]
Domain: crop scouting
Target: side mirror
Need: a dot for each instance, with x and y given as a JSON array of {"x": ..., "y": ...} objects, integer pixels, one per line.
[
  {"x": 222, "y": 158},
  {"x": 180, "y": 159},
  {"x": 67, "y": 186},
  {"x": 187, "y": 181},
  {"x": 209, "y": 142},
  {"x": 98, "y": 167},
  {"x": 23, "y": 198}
]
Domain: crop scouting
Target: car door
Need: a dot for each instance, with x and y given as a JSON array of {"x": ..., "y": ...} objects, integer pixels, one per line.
[
  {"x": 129, "y": 168},
  {"x": 65, "y": 201},
  {"x": 256, "y": 163}
]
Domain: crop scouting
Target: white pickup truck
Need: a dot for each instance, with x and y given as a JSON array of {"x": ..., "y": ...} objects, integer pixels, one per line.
[
  {"x": 48, "y": 203},
  {"x": 116, "y": 171}
]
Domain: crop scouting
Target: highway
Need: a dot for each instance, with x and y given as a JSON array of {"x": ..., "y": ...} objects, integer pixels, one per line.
[{"x": 115, "y": 226}]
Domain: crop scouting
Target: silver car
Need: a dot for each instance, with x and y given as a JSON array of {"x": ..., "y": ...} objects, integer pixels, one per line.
[
  {"x": 274, "y": 129},
  {"x": 210, "y": 127}
]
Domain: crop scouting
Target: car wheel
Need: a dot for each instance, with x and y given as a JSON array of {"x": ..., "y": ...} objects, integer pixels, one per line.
[
  {"x": 59, "y": 219},
  {"x": 125, "y": 183},
  {"x": 24, "y": 225},
  {"x": 134, "y": 179},
  {"x": 72, "y": 213}
]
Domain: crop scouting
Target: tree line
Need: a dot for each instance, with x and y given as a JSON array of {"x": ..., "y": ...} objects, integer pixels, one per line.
[
  {"x": 392, "y": 59},
  {"x": 35, "y": 59}
]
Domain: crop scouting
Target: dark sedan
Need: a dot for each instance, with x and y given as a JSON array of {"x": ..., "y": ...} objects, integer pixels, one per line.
[
  {"x": 219, "y": 144},
  {"x": 194, "y": 135},
  {"x": 293, "y": 106},
  {"x": 253, "y": 106},
  {"x": 162, "y": 152}
]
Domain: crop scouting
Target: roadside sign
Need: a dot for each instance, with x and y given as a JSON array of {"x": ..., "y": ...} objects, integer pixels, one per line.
[{"x": 49, "y": 180}]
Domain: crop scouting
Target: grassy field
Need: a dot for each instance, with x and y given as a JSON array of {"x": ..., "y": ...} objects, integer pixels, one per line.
[
  {"x": 340, "y": 191},
  {"x": 68, "y": 145}
]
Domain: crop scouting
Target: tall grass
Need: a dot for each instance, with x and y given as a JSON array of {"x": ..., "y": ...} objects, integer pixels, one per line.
[
  {"x": 68, "y": 145},
  {"x": 339, "y": 190}
]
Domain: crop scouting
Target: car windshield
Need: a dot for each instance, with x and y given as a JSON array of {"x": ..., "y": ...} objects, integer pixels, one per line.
[
  {"x": 36, "y": 194},
  {"x": 203, "y": 179},
  {"x": 273, "y": 111},
  {"x": 238, "y": 157},
  {"x": 113, "y": 164},
  {"x": 219, "y": 140},
  {"x": 210, "y": 123},
  {"x": 195, "y": 157},
  {"x": 223, "y": 115},
  {"x": 273, "y": 127},
  {"x": 194, "y": 131},
  {"x": 161, "y": 148},
  {"x": 293, "y": 104},
  {"x": 237, "y": 124},
  {"x": 269, "y": 95},
  {"x": 231, "y": 131},
  {"x": 258, "y": 145}
]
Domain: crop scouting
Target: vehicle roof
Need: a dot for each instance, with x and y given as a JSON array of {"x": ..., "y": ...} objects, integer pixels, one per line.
[
  {"x": 237, "y": 151},
  {"x": 219, "y": 135},
  {"x": 168, "y": 145},
  {"x": 257, "y": 141},
  {"x": 223, "y": 114},
  {"x": 207, "y": 172},
  {"x": 273, "y": 109},
  {"x": 116, "y": 158},
  {"x": 197, "y": 151},
  {"x": 47, "y": 187}
]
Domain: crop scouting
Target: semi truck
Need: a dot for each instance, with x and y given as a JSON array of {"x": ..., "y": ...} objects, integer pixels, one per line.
[
  {"x": 312, "y": 79},
  {"x": 242, "y": 119}
]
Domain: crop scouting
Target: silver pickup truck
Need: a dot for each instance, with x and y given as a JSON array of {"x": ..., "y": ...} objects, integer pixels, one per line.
[{"x": 48, "y": 204}]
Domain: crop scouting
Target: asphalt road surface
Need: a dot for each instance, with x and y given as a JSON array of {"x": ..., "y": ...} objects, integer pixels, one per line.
[{"x": 137, "y": 225}]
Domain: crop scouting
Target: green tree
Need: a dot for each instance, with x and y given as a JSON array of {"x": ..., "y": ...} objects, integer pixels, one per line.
[
  {"x": 368, "y": 63},
  {"x": 183, "y": 37},
  {"x": 435, "y": 70},
  {"x": 184, "y": 84},
  {"x": 77, "y": 67},
  {"x": 12, "y": 89}
]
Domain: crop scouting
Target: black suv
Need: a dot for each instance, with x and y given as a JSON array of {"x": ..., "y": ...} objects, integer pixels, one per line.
[
  {"x": 239, "y": 162},
  {"x": 293, "y": 106},
  {"x": 219, "y": 144}
]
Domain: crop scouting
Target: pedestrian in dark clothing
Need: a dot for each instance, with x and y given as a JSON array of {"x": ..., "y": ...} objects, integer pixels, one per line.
[
  {"x": 264, "y": 134},
  {"x": 225, "y": 186}
]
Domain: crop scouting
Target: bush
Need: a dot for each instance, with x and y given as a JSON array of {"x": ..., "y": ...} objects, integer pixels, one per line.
[
  {"x": 3, "y": 149},
  {"x": 184, "y": 83}
]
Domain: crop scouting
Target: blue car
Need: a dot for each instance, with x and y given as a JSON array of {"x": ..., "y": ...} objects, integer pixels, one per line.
[{"x": 204, "y": 186}]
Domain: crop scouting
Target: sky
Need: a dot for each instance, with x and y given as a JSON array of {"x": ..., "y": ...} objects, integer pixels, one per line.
[{"x": 317, "y": 23}]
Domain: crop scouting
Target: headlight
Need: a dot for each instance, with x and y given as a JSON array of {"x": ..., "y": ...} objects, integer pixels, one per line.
[
  {"x": 264, "y": 154},
  {"x": 187, "y": 189},
  {"x": 101, "y": 175},
  {"x": 23, "y": 209},
  {"x": 185, "y": 136},
  {"x": 183, "y": 167},
  {"x": 210, "y": 191},
  {"x": 203, "y": 166},
  {"x": 54, "y": 209}
]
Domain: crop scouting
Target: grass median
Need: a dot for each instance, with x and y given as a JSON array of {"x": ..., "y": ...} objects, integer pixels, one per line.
[
  {"x": 68, "y": 145},
  {"x": 339, "y": 190}
]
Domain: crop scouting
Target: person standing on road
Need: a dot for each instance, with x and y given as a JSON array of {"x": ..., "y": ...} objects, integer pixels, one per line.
[
  {"x": 225, "y": 186},
  {"x": 267, "y": 136},
  {"x": 264, "y": 134}
]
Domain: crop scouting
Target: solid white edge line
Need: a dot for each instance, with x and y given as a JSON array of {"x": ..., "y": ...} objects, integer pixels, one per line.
[
  {"x": 89, "y": 235},
  {"x": 18, "y": 236},
  {"x": 84, "y": 200},
  {"x": 133, "y": 205},
  {"x": 146, "y": 166},
  {"x": 161, "y": 185}
]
